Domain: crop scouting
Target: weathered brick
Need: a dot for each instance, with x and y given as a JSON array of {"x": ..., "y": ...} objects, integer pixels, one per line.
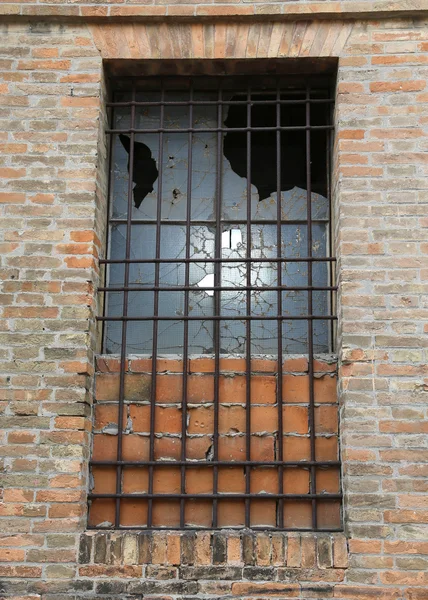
[{"x": 85, "y": 549}]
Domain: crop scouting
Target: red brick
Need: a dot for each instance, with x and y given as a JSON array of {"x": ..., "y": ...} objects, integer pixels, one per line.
[
  {"x": 397, "y": 86},
  {"x": 110, "y": 571},
  {"x": 79, "y": 101},
  {"x": 11, "y": 198},
  {"x": 295, "y": 388},
  {"x": 7, "y": 555},
  {"x": 48, "y": 65}
]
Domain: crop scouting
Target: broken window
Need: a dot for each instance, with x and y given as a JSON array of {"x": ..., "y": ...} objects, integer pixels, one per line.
[
  {"x": 205, "y": 193},
  {"x": 220, "y": 248}
]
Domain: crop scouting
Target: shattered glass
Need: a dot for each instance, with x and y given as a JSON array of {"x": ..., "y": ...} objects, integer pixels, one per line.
[{"x": 235, "y": 238}]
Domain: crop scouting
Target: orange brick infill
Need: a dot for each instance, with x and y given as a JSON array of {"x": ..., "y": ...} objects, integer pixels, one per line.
[
  {"x": 200, "y": 386},
  {"x": 199, "y": 425}
]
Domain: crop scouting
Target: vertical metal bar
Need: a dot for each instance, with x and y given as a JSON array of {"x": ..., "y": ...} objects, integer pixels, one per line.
[
  {"x": 217, "y": 299},
  {"x": 156, "y": 312},
  {"x": 311, "y": 408},
  {"x": 123, "y": 368},
  {"x": 247, "y": 322},
  {"x": 330, "y": 266},
  {"x": 280, "y": 453},
  {"x": 186, "y": 311}
]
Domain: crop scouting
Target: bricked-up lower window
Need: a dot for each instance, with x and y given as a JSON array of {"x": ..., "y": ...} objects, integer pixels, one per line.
[{"x": 216, "y": 393}]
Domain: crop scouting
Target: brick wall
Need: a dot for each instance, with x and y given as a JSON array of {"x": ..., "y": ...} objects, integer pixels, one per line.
[{"x": 52, "y": 190}]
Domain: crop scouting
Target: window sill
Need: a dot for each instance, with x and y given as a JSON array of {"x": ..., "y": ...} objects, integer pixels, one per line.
[{"x": 249, "y": 550}]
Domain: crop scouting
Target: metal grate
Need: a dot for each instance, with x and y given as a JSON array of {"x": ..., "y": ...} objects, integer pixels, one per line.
[{"x": 204, "y": 262}]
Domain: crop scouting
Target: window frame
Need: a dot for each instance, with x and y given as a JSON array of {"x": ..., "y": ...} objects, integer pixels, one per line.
[{"x": 313, "y": 464}]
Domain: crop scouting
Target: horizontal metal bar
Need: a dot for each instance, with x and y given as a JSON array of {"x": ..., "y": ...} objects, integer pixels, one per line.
[
  {"x": 223, "y": 129},
  {"x": 215, "y": 463},
  {"x": 145, "y": 530},
  {"x": 195, "y": 288},
  {"x": 291, "y": 79},
  {"x": 225, "y": 496},
  {"x": 115, "y": 261},
  {"x": 221, "y": 318},
  {"x": 302, "y": 101},
  {"x": 201, "y": 223}
]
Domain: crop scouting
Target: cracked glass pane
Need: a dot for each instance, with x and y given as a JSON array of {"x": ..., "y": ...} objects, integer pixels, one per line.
[{"x": 236, "y": 239}]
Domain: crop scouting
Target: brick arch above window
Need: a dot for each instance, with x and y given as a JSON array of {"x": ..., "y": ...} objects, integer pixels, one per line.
[{"x": 232, "y": 40}]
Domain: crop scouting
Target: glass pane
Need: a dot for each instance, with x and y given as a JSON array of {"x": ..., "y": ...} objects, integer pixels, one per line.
[
  {"x": 233, "y": 337},
  {"x": 204, "y": 169},
  {"x": 175, "y": 161},
  {"x": 147, "y": 117},
  {"x": 264, "y": 337},
  {"x": 201, "y": 241},
  {"x": 201, "y": 337},
  {"x": 170, "y": 337},
  {"x": 295, "y": 337}
]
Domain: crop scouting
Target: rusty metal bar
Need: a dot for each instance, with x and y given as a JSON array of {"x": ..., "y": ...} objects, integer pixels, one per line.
[
  {"x": 222, "y": 103},
  {"x": 231, "y": 528},
  {"x": 311, "y": 410},
  {"x": 155, "y": 320},
  {"x": 222, "y": 495},
  {"x": 221, "y": 129},
  {"x": 247, "y": 317},
  {"x": 213, "y": 463},
  {"x": 217, "y": 302},
  {"x": 186, "y": 313},
  {"x": 279, "y": 264},
  {"x": 248, "y": 324},
  {"x": 213, "y": 222},
  {"x": 123, "y": 365},
  {"x": 223, "y": 260},
  {"x": 241, "y": 288}
]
